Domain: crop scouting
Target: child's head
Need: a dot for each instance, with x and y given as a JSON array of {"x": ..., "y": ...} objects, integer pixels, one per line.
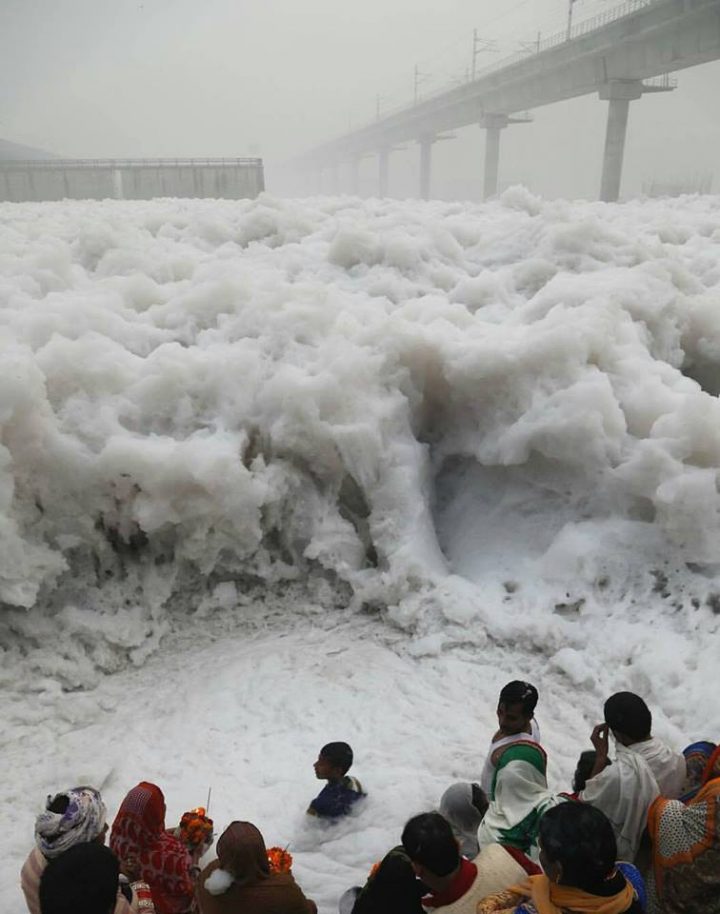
[
  {"x": 516, "y": 707},
  {"x": 333, "y": 761},
  {"x": 628, "y": 717}
]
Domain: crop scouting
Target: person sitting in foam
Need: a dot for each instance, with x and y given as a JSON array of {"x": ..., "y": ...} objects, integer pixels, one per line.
[
  {"x": 516, "y": 721},
  {"x": 341, "y": 792}
]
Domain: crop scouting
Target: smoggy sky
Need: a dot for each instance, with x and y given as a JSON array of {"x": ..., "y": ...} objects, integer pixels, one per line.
[{"x": 234, "y": 77}]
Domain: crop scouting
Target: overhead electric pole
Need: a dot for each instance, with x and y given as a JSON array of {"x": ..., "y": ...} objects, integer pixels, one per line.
[
  {"x": 569, "y": 24},
  {"x": 418, "y": 77},
  {"x": 480, "y": 46}
]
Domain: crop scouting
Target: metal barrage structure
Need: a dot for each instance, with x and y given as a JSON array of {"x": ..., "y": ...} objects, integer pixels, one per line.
[{"x": 130, "y": 179}]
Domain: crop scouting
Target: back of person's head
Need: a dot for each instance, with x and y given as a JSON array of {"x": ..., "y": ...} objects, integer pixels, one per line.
[
  {"x": 82, "y": 880},
  {"x": 520, "y": 693},
  {"x": 75, "y": 816},
  {"x": 580, "y": 839},
  {"x": 241, "y": 852},
  {"x": 340, "y": 755},
  {"x": 464, "y": 806},
  {"x": 428, "y": 840},
  {"x": 626, "y": 713}
]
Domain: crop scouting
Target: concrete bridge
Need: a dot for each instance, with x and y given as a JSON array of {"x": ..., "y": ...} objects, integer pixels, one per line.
[{"x": 620, "y": 55}]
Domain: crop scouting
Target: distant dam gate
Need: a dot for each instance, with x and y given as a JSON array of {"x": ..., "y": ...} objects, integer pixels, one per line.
[{"x": 129, "y": 179}]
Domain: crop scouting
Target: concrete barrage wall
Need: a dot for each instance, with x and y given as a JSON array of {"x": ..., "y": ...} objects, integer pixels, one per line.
[{"x": 130, "y": 179}]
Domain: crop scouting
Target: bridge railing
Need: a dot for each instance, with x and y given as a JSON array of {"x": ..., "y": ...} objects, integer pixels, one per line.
[
  {"x": 627, "y": 8},
  {"x": 64, "y": 164}
]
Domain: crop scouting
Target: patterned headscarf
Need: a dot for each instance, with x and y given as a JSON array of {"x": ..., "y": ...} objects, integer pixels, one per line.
[
  {"x": 82, "y": 821},
  {"x": 140, "y": 819},
  {"x": 697, "y": 756}
]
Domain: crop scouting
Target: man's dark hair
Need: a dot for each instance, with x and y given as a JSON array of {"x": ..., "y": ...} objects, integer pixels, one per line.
[
  {"x": 428, "y": 839},
  {"x": 82, "y": 880},
  {"x": 479, "y": 799},
  {"x": 580, "y": 838},
  {"x": 584, "y": 768},
  {"x": 628, "y": 714},
  {"x": 338, "y": 754},
  {"x": 520, "y": 693}
]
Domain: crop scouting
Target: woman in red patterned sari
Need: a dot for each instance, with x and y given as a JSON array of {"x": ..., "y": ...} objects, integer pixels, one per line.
[{"x": 138, "y": 834}]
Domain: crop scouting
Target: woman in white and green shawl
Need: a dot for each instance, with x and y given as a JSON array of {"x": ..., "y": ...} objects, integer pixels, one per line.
[{"x": 518, "y": 799}]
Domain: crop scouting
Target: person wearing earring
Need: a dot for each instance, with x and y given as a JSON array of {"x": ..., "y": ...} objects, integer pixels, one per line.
[{"x": 580, "y": 873}]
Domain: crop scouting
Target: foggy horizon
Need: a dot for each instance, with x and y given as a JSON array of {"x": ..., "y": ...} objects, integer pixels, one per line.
[{"x": 152, "y": 78}]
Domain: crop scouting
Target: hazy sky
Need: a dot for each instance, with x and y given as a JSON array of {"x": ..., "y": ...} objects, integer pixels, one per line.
[{"x": 231, "y": 77}]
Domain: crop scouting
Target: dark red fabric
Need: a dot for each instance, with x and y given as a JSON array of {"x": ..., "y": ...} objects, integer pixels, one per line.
[
  {"x": 712, "y": 769},
  {"x": 139, "y": 832},
  {"x": 532, "y": 869},
  {"x": 458, "y": 887}
]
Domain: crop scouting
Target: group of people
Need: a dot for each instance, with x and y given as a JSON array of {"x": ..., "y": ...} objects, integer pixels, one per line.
[
  {"x": 151, "y": 869},
  {"x": 637, "y": 833}
]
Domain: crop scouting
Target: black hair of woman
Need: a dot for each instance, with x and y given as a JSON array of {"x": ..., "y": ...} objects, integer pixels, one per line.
[{"x": 577, "y": 846}]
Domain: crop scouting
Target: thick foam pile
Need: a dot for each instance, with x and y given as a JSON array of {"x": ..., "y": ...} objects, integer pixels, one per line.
[{"x": 497, "y": 418}]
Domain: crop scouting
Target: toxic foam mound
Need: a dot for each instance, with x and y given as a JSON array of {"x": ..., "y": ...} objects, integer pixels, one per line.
[{"x": 453, "y": 412}]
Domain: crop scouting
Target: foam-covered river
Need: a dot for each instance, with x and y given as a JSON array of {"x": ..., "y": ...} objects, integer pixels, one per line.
[{"x": 277, "y": 472}]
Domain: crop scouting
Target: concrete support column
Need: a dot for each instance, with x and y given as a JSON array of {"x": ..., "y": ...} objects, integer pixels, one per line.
[
  {"x": 493, "y": 124},
  {"x": 426, "y": 144},
  {"x": 492, "y": 161},
  {"x": 619, "y": 94},
  {"x": 355, "y": 176},
  {"x": 383, "y": 169}
]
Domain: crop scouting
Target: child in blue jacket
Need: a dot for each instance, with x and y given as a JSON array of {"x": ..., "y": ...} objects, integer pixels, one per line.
[{"x": 341, "y": 792}]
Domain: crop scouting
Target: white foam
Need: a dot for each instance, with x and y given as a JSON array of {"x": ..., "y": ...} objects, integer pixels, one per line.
[{"x": 494, "y": 426}]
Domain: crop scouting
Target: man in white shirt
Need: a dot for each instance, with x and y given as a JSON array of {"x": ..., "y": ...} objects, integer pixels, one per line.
[
  {"x": 622, "y": 790},
  {"x": 630, "y": 720},
  {"x": 643, "y": 768}
]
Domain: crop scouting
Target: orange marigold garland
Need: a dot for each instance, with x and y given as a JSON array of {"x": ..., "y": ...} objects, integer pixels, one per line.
[
  {"x": 280, "y": 859},
  {"x": 195, "y": 829}
]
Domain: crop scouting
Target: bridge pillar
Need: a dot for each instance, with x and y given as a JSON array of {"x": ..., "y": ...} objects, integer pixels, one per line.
[
  {"x": 619, "y": 94},
  {"x": 383, "y": 169},
  {"x": 493, "y": 124},
  {"x": 355, "y": 176},
  {"x": 426, "y": 144}
]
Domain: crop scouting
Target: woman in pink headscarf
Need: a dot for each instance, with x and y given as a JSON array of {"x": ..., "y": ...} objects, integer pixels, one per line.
[
  {"x": 240, "y": 880},
  {"x": 138, "y": 835}
]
